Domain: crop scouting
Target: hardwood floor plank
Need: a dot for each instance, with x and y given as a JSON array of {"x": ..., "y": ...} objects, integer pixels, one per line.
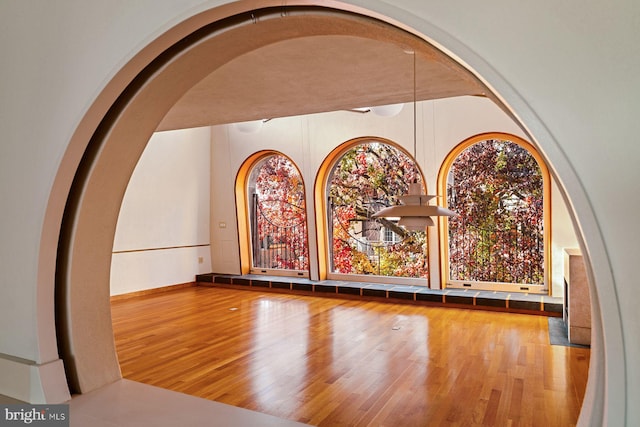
[{"x": 329, "y": 362}]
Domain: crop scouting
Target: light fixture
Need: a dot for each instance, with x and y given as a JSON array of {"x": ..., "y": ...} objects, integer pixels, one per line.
[
  {"x": 249, "y": 127},
  {"x": 414, "y": 209},
  {"x": 360, "y": 110},
  {"x": 414, "y": 212},
  {"x": 387, "y": 110}
]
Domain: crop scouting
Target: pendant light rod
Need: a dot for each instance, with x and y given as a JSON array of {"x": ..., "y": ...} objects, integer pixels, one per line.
[
  {"x": 414, "y": 209},
  {"x": 415, "y": 114}
]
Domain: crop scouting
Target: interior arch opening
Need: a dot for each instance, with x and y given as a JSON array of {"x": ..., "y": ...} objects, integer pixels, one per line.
[{"x": 157, "y": 100}]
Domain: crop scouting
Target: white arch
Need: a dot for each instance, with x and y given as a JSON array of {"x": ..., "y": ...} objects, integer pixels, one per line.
[{"x": 603, "y": 403}]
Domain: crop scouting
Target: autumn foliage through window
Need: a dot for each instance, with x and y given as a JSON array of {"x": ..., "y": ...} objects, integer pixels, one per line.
[
  {"x": 278, "y": 215},
  {"x": 365, "y": 179},
  {"x": 496, "y": 189}
]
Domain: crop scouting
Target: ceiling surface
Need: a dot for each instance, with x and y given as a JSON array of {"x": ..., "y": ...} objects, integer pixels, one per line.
[{"x": 321, "y": 62}]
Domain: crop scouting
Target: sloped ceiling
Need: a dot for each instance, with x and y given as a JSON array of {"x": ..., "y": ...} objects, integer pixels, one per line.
[{"x": 328, "y": 63}]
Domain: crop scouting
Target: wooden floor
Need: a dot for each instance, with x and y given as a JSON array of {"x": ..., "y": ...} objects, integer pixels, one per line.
[{"x": 333, "y": 362}]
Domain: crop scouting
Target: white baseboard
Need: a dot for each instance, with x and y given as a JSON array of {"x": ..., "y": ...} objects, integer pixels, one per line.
[{"x": 30, "y": 382}]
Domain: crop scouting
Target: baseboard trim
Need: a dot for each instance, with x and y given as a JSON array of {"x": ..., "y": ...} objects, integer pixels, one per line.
[
  {"x": 152, "y": 291},
  {"x": 30, "y": 382}
]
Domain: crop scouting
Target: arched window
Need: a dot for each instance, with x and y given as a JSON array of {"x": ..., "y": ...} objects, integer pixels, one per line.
[
  {"x": 363, "y": 179},
  {"x": 277, "y": 216},
  {"x": 498, "y": 188}
]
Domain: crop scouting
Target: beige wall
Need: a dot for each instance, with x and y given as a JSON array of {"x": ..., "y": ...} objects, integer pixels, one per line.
[
  {"x": 162, "y": 236},
  {"x": 567, "y": 71}
]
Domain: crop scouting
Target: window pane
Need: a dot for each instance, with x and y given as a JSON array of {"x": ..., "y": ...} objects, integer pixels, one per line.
[
  {"x": 496, "y": 189},
  {"x": 278, "y": 215},
  {"x": 367, "y": 178}
]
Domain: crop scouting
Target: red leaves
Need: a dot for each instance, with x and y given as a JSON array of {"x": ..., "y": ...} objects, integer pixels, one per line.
[
  {"x": 496, "y": 189},
  {"x": 279, "y": 214},
  {"x": 367, "y": 178}
]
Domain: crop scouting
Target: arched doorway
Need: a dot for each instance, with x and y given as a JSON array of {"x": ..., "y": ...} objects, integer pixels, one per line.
[{"x": 83, "y": 259}]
